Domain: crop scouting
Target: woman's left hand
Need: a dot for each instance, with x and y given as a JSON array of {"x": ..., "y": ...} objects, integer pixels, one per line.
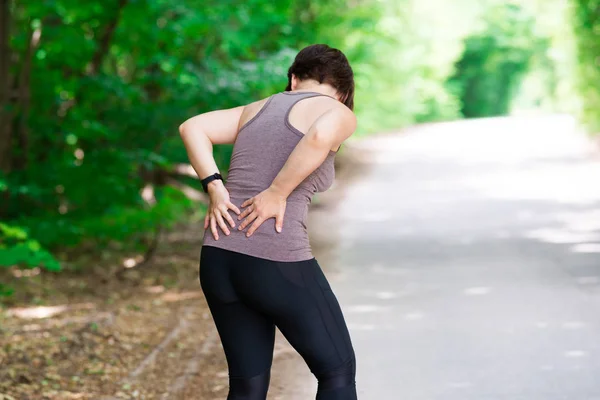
[{"x": 267, "y": 204}]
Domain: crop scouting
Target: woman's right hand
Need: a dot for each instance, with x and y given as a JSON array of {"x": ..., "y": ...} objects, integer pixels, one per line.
[{"x": 218, "y": 208}]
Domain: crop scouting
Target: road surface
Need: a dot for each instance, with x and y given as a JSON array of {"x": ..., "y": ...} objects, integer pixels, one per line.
[{"x": 466, "y": 258}]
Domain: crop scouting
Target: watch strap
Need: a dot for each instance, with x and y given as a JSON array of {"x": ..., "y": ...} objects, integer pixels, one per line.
[{"x": 209, "y": 179}]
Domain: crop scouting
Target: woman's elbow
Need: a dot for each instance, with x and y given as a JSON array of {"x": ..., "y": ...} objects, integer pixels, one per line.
[
  {"x": 191, "y": 129},
  {"x": 182, "y": 129}
]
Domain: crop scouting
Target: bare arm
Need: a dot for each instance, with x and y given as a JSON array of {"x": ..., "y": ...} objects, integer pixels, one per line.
[
  {"x": 199, "y": 133},
  {"x": 329, "y": 130}
]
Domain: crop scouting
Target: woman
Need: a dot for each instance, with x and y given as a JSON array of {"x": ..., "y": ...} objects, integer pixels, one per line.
[{"x": 256, "y": 266}]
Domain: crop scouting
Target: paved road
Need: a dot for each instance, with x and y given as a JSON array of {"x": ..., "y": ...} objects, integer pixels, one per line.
[{"x": 467, "y": 263}]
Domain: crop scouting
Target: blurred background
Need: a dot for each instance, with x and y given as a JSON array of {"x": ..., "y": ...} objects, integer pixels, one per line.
[{"x": 100, "y": 214}]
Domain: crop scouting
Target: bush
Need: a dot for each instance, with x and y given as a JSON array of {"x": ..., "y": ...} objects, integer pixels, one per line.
[{"x": 494, "y": 61}]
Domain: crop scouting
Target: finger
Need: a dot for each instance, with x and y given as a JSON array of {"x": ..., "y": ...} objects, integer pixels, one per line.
[
  {"x": 247, "y": 211},
  {"x": 206, "y": 220},
  {"x": 227, "y": 216},
  {"x": 255, "y": 226},
  {"x": 221, "y": 222},
  {"x": 233, "y": 207},
  {"x": 279, "y": 222},
  {"x": 248, "y": 202},
  {"x": 248, "y": 220},
  {"x": 213, "y": 227}
]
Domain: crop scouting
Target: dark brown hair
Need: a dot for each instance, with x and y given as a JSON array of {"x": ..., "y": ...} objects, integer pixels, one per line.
[{"x": 325, "y": 65}]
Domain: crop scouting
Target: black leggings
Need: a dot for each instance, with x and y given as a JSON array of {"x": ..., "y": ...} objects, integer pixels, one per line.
[{"x": 248, "y": 296}]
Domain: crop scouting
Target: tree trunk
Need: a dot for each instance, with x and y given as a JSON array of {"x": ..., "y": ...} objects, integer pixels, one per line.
[
  {"x": 5, "y": 112},
  {"x": 22, "y": 134}
]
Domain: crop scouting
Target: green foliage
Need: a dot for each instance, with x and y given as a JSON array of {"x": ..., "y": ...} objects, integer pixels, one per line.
[
  {"x": 586, "y": 16},
  {"x": 405, "y": 58},
  {"x": 494, "y": 62},
  {"x": 18, "y": 249},
  {"x": 549, "y": 84}
]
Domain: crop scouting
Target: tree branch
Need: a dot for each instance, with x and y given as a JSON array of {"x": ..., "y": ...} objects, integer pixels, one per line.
[{"x": 105, "y": 40}]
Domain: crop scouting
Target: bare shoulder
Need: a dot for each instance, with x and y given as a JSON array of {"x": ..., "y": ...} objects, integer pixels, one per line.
[
  {"x": 251, "y": 110},
  {"x": 320, "y": 111},
  {"x": 337, "y": 116},
  {"x": 345, "y": 114}
]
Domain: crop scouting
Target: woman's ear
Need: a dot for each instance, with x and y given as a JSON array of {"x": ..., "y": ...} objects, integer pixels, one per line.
[{"x": 294, "y": 82}]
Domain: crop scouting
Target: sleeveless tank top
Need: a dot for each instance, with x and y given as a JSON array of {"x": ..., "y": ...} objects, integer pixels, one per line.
[{"x": 262, "y": 147}]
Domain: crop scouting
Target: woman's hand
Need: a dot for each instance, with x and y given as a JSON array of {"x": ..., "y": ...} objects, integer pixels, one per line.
[
  {"x": 218, "y": 209},
  {"x": 267, "y": 204}
]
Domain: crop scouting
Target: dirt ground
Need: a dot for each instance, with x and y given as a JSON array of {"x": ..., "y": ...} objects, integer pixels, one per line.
[{"x": 100, "y": 334}]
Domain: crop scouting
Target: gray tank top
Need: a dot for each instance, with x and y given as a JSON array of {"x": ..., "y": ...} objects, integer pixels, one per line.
[{"x": 262, "y": 147}]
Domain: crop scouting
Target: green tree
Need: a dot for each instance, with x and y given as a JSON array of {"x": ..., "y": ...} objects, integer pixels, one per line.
[
  {"x": 586, "y": 16},
  {"x": 494, "y": 61}
]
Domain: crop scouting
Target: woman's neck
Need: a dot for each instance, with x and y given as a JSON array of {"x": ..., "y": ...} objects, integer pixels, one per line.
[{"x": 323, "y": 88}]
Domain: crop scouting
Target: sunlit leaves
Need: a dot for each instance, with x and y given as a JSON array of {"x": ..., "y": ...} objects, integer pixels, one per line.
[
  {"x": 17, "y": 249},
  {"x": 586, "y": 15}
]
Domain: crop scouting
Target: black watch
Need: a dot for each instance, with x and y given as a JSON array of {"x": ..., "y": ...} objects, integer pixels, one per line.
[{"x": 209, "y": 179}]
